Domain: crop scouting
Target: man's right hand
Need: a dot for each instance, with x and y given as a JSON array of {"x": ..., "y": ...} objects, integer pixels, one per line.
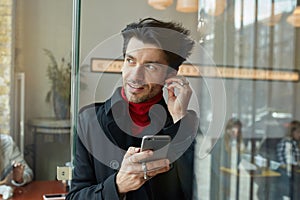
[{"x": 131, "y": 174}]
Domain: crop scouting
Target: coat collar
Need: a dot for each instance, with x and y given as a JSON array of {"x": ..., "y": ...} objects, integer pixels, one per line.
[
  {"x": 117, "y": 104},
  {"x": 116, "y": 100}
]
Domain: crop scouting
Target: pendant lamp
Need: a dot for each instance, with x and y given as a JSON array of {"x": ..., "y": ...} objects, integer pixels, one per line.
[
  {"x": 187, "y": 6},
  {"x": 160, "y": 4},
  {"x": 215, "y": 7},
  {"x": 294, "y": 19}
]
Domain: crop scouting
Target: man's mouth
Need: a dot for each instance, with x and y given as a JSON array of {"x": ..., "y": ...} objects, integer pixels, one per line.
[{"x": 133, "y": 88}]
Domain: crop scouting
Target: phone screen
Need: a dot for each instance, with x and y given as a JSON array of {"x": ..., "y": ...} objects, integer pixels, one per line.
[{"x": 54, "y": 196}]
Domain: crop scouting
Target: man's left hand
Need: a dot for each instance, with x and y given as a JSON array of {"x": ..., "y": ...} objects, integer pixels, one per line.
[{"x": 178, "y": 103}]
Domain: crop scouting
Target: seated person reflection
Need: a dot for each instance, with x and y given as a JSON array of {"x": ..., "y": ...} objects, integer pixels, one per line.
[
  {"x": 10, "y": 155},
  {"x": 226, "y": 153},
  {"x": 108, "y": 162}
]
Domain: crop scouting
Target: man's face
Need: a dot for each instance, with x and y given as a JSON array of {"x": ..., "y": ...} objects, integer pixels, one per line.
[
  {"x": 296, "y": 134},
  {"x": 144, "y": 71}
]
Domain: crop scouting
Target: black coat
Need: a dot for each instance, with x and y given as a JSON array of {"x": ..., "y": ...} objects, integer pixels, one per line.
[{"x": 103, "y": 137}]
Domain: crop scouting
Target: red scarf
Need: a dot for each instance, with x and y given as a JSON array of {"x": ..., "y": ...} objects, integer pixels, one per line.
[{"x": 139, "y": 111}]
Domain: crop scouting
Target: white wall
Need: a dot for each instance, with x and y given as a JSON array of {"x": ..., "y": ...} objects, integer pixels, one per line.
[{"x": 41, "y": 24}]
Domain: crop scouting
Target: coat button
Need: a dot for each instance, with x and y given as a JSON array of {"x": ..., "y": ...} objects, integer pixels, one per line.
[{"x": 114, "y": 164}]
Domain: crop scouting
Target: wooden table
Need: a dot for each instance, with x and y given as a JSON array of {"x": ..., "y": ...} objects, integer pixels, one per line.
[
  {"x": 36, "y": 189},
  {"x": 262, "y": 173}
]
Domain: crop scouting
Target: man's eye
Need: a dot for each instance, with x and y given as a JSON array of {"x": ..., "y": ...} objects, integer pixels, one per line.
[
  {"x": 151, "y": 67},
  {"x": 129, "y": 61}
]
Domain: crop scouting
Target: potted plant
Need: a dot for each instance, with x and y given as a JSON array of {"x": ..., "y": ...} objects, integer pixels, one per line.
[{"x": 59, "y": 74}]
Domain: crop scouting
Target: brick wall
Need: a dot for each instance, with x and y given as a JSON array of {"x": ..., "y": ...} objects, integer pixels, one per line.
[{"x": 5, "y": 63}]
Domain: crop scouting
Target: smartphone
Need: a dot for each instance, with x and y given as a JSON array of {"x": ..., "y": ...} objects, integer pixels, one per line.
[
  {"x": 54, "y": 196},
  {"x": 159, "y": 144},
  {"x": 6, "y": 171}
]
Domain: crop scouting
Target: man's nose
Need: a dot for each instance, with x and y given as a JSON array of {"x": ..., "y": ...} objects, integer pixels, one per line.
[{"x": 138, "y": 72}]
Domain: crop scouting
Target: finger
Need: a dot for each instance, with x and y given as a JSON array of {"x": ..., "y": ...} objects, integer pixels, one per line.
[
  {"x": 13, "y": 162},
  {"x": 177, "y": 79},
  {"x": 181, "y": 86},
  {"x": 175, "y": 85},
  {"x": 171, "y": 92},
  {"x": 20, "y": 167},
  {"x": 16, "y": 164},
  {"x": 158, "y": 171},
  {"x": 131, "y": 151},
  {"x": 157, "y": 164},
  {"x": 139, "y": 157},
  {"x": 160, "y": 166}
]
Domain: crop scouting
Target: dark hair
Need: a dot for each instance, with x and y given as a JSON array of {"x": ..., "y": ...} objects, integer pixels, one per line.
[
  {"x": 171, "y": 37},
  {"x": 294, "y": 126},
  {"x": 231, "y": 123}
]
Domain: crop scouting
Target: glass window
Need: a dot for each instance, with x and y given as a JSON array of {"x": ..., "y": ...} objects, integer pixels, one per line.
[{"x": 246, "y": 97}]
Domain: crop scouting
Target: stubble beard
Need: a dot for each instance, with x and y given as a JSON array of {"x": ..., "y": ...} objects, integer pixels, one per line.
[{"x": 135, "y": 98}]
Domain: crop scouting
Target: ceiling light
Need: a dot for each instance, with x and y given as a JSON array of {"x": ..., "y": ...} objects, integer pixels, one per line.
[
  {"x": 187, "y": 6},
  {"x": 160, "y": 4},
  {"x": 294, "y": 19}
]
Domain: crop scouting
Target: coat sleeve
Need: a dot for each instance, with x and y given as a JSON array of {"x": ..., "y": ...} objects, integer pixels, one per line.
[{"x": 84, "y": 184}]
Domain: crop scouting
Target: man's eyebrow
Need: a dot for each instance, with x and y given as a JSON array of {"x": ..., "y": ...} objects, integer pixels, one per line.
[
  {"x": 146, "y": 62},
  {"x": 128, "y": 55}
]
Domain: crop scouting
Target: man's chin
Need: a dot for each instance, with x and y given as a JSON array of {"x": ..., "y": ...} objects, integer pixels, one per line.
[{"x": 136, "y": 99}]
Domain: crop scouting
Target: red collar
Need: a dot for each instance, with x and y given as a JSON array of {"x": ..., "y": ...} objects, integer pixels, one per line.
[{"x": 139, "y": 111}]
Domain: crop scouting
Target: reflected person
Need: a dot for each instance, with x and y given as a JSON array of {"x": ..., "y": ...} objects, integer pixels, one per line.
[
  {"x": 288, "y": 151},
  {"x": 226, "y": 154},
  {"x": 108, "y": 161},
  {"x": 288, "y": 154}
]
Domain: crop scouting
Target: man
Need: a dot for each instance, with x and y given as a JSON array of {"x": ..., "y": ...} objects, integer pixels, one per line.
[
  {"x": 110, "y": 133},
  {"x": 288, "y": 150},
  {"x": 288, "y": 154},
  {"x": 11, "y": 156}
]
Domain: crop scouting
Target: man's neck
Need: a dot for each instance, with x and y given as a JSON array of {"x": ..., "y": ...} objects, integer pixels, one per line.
[{"x": 139, "y": 111}]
